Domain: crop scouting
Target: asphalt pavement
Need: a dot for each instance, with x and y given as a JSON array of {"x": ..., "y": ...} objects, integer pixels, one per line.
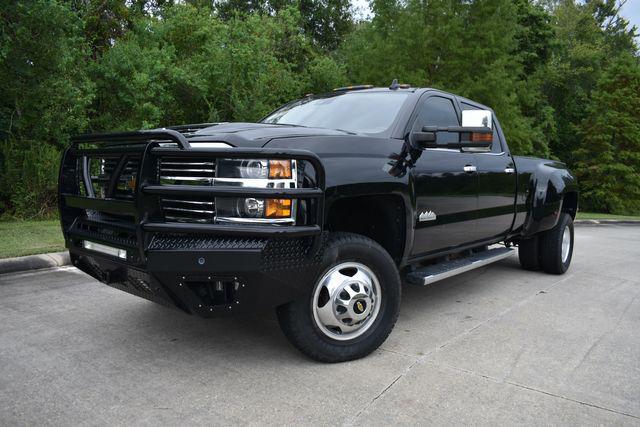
[{"x": 498, "y": 345}]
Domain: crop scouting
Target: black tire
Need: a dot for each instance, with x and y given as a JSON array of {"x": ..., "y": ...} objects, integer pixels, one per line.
[
  {"x": 297, "y": 317},
  {"x": 551, "y": 254},
  {"x": 529, "y": 253}
]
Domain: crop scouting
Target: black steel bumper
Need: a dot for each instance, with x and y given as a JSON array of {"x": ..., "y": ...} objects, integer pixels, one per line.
[
  {"x": 203, "y": 269},
  {"x": 211, "y": 276}
]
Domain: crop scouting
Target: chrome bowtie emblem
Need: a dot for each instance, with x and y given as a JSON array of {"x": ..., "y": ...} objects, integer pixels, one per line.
[{"x": 427, "y": 216}]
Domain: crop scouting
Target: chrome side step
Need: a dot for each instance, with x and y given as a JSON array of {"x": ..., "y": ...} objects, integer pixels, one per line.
[{"x": 443, "y": 270}]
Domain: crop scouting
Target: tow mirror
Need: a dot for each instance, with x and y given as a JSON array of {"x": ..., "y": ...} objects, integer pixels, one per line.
[{"x": 475, "y": 134}]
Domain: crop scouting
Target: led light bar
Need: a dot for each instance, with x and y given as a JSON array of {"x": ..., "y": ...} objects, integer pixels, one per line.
[{"x": 97, "y": 247}]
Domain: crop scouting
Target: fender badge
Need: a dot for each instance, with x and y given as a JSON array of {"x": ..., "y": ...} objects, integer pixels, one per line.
[{"x": 427, "y": 216}]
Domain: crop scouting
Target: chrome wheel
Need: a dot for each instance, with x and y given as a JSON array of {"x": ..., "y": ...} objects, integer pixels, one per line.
[
  {"x": 346, "y": 301},
  {"x": 566, "y": 244}
]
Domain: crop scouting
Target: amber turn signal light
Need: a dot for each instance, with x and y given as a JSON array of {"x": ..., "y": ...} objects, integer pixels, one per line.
[
  {"x": 280, "y": 169},
  {"x": 278, "y": 208},
  {"x": 481, "y": 137}
]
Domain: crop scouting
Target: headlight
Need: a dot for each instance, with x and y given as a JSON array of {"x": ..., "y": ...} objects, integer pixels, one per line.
[
  {"x": 256, "y": 173},
  {"x": 255, "y": 169}
]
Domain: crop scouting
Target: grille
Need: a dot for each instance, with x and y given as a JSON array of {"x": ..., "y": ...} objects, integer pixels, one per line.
[
  {"x": 182, "y": 210},
  {"x": 181, "y": 171},
  {"x": 101, "y": 170}
]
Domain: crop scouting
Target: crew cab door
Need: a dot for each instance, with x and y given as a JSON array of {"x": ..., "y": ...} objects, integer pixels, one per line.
[
  {"x": 496, "y": 186},
  {"x": 445, "y": 182}
]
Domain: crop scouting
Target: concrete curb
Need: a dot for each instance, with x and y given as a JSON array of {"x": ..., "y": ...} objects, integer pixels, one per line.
[
  {"x": 34, "y": 262},
  {"x": 606, "y": 222}
]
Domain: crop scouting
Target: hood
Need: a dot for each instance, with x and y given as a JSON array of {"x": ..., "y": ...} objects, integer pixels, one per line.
[{"x": 255, "y": 135}]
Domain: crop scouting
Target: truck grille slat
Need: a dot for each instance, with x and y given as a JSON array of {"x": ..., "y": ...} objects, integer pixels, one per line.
[
  {"x": 180, "y": 171},
  {"x": 168, "y": 208}
]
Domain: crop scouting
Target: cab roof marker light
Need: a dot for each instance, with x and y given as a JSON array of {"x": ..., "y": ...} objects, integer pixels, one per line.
[{"x": 395, "y": 85}]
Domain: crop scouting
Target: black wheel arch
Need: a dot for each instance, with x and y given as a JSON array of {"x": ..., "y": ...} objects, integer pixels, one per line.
[
  {"x": 380, "y": 217},
  {"x": 550, "y": 190}
]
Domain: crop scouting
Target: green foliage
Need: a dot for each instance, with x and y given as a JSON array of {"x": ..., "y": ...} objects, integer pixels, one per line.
[
  {"x": 44, "y": 90},
  {"x": 325, "y": 22},
  {"x": 483, "y": 50},
  {"x": 44, "y": 95},
  {"x": 560, "y": 74},
  {"x": 29, "y": 177},
  {"x": 608, "y": 162},
  {"x": 193, "y": 67}
]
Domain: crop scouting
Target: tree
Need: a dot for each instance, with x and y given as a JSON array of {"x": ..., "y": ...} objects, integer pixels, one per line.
[
  {"x": 587, "y": 37},
  {"x": 326, "y": 22},
  {"x": 469, "y": 48},
  {"x": 608, "y": 164},
  {"x": 44, "y": 95}
]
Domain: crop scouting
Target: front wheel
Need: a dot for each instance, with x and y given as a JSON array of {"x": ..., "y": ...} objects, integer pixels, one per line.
[{"x": 352, "y": 305}]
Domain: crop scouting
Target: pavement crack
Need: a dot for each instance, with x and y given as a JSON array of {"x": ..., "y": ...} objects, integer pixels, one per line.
[
  {"x": 537, "y": 390},
  {"x": 497, "y": 316},
  {"x": 379, "y": 395},
  {"x": 558, "y": 396},
  {"x": 607, "y": 332}
]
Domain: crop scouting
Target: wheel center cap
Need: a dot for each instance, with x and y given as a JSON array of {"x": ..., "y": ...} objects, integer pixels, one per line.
[{"x": 360, "y": 306}]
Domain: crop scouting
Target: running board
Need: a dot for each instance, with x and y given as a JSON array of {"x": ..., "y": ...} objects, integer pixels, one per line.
[{"x": 443, "y": 270}]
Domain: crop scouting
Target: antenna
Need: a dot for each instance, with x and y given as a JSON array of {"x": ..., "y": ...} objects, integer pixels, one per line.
[{"x": 394, "y": 85}]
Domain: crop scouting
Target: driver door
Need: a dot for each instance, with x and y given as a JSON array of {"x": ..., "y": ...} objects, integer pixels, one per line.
[{"x": 446, "y": 183}]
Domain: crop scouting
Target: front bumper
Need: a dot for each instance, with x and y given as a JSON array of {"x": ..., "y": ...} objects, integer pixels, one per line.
[
  {"x": 206, "y": 269},
  {"x": 211, "y": 277}
]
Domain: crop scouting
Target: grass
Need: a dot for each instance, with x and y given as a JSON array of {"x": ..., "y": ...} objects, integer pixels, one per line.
[
  {"x": 19, "y": 238},
  {"x": 591, "y": 215}
]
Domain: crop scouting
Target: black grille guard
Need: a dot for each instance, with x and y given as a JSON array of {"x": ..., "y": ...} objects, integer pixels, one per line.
[{"x": 144, "y": 207}]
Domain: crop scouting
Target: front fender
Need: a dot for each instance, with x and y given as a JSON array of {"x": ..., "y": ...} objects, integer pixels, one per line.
[{"x": 357, "y": 166}]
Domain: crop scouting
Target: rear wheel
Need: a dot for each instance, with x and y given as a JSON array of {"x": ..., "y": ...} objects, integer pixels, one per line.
[
  {"x": 556, "y": 246},
  {"x": 352, "y": 306}
]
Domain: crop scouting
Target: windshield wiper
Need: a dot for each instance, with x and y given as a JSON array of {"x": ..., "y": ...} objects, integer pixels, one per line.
[
  {"x": 346, "y": 131},
  {"x": 286, "y": 124}
]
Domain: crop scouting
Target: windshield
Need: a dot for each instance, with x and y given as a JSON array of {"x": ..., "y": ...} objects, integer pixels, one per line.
[{"x": 360, "y": 112}]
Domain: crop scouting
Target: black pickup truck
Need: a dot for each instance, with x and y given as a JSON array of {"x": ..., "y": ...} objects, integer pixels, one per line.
[{"x": 321, "y": 210}]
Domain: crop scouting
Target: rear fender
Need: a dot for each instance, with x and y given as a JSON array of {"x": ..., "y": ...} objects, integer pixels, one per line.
[{"x": 547, "y": 186}]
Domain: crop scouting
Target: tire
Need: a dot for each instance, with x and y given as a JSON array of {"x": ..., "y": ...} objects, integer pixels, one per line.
[
  {"x": 529, "y": 253},
  {"x": 357, "y": 278},
  {"x": 555, "y": 257}
]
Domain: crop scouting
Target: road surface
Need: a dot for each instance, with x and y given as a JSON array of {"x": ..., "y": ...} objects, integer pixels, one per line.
[{"x": 498, "y": 345}]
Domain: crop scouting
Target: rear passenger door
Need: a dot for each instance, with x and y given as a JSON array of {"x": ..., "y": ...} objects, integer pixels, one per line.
[
  {"x": 496, "y": 186},
  {"x": 446, "y": 182}
]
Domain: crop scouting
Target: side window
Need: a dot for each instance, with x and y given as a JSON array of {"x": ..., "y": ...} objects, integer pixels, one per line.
[
  {"x": 437, "y": 111},
  {"x": 496, "y": 146}
]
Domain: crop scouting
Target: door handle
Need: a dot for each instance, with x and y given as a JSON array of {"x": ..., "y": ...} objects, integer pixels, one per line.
[
  {"x": 469, "y": 168},
  {"x": 509, "y": 170}
]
